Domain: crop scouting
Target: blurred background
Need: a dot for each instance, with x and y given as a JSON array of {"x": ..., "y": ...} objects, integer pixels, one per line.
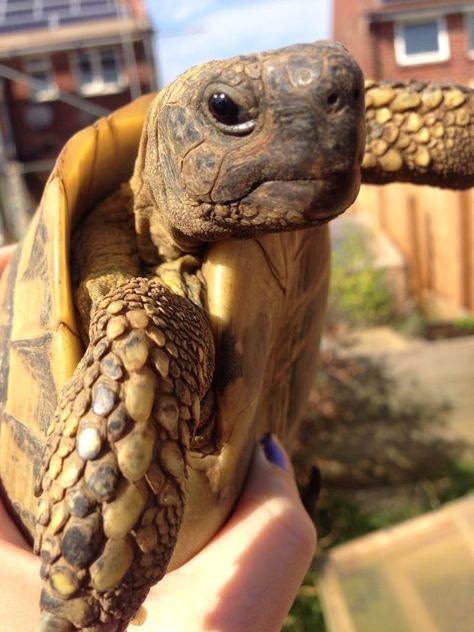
[{"x": 389, "y": 425}]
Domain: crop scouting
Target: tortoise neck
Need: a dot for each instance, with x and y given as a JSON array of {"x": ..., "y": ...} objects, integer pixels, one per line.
[{"x": 158, "y": 242}]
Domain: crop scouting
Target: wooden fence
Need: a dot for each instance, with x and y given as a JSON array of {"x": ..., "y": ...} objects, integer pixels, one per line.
[{"x": 434, "y": 230}]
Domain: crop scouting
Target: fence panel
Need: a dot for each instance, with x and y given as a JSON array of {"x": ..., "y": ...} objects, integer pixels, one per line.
[{"x": 434, "y": 230}]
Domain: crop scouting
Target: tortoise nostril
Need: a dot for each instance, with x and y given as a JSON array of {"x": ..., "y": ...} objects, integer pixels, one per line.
[{"x": 356, "y": 94}]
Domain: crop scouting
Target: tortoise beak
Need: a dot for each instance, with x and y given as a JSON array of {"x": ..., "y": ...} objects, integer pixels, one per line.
[{"x": 300, "y": 203}]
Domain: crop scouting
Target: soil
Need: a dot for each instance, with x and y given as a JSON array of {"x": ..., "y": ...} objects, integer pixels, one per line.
[{"x": 442, "y": 330}]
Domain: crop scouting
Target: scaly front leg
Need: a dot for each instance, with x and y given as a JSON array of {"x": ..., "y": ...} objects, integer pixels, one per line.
[
  {"x": 113, "y": 484},
  {"x": 419, "y": 132}
]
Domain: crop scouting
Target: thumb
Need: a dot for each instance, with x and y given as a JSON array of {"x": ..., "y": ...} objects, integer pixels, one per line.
[{"x": 271, "y": 488}]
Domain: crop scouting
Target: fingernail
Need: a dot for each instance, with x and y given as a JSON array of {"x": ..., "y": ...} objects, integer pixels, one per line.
[{"x": 273, "y": 451}]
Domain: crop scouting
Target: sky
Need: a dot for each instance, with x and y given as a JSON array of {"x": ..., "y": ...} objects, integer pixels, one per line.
[{"x": 189, "y": 32}]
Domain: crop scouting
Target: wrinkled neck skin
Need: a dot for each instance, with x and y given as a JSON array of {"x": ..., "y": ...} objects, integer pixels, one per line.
[
  {"x": 158, "y": 241},
  {"x": 160, "y": 198}
]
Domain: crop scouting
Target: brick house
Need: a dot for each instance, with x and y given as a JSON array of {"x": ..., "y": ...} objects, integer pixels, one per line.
[
  {"x": 63, "y": 64},
  {"x": 409, "y": 39},
  {"x": 433, "y": 229}
]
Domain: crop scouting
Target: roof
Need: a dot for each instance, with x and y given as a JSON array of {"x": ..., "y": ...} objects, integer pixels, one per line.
[
  {"x": 393, "y": 9},
  {"x": 82, "y": 22},
  {"x": 23, "y": 15}
]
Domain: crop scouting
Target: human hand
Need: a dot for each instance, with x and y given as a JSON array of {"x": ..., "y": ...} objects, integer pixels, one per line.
[{"x": 6, "y": 253}]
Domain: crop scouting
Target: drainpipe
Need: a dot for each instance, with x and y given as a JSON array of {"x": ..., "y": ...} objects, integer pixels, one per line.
[
  {"x": 128, "y": 51},
  {"x": 16, "y": 205}
]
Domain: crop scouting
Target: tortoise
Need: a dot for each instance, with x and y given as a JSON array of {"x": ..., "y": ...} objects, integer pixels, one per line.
[{"x": 164, "y": 308}]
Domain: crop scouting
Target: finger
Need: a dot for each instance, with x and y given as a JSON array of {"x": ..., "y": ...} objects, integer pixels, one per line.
[
  {"x": 20, "y": 588},
  {"x": 9, "y": 531},
  {"x": 246, "y": 579},
  {"x": 6, "y": 253}
]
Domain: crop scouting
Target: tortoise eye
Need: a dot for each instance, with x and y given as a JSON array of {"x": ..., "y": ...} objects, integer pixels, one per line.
[
  {"x": 224, "y": 109},
  {"x": 231, "y": 118}
]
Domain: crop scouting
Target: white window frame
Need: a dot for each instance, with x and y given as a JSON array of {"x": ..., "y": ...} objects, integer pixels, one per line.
[
  {"x": 98, "y": 86},
  {"x": 469, "y": 16},
  {"x": 435, "y": 57},
  {"x": 43, "y": 64}
]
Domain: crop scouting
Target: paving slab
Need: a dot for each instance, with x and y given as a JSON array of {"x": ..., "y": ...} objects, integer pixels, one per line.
[{"x": 442, "y": 370}]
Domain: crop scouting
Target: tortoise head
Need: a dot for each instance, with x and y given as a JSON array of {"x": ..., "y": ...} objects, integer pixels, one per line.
[{"x": 260, "y": 143}]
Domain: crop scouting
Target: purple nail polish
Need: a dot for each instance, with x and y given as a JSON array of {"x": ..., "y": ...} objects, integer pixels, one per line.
[{"x": 273, "y": 451}]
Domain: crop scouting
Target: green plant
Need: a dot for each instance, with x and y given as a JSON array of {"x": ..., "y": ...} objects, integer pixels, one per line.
[
  {"x": 412, "y": 322},
  {"x": 359, "y": 291},
  {"x": 466, "y": 323}
]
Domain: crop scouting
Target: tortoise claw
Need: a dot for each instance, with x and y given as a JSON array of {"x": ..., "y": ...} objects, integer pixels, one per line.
[{"x": 51, "y": 623}]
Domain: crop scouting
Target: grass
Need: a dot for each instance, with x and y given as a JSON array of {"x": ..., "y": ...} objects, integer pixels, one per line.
[
  {"x": 306, "y": 614},
  {"x": 465, "y": 323}
]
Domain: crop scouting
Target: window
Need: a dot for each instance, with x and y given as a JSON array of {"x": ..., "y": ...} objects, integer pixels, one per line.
[
  {"x": 31, "y": 14},
  {"x": 40, "y": 70},
  {"x": 99, "y": 71},
  {"x": 421, "y": 42},
  {"x": 470, "y": 32}
]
